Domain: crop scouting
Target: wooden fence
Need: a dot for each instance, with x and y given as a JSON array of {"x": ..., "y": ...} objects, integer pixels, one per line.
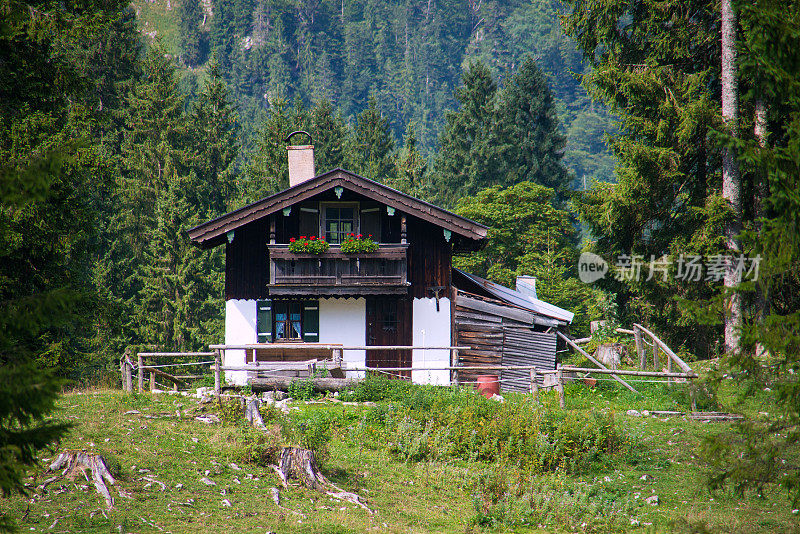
[
  {"x": 645, "y": 339},
  {"x": 146, "y": 363}
]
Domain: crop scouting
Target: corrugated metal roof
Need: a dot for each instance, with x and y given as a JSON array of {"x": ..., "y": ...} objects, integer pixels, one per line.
[{"x": 518, "y": 299}]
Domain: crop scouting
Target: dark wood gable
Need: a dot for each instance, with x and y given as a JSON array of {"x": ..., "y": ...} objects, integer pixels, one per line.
[
  {"x": 466, "y": 234},
  {"x": 414, "y": 257}
]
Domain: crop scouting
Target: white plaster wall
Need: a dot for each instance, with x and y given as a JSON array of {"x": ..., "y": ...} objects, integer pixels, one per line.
[
  {"x": 240, "y": 329},
  {"x": 431, "y": 329},
  {"x": 344, "y": 321}
]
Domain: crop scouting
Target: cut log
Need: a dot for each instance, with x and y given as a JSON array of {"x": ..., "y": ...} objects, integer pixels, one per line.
[
  {"x": 78, "y": 462},
  {"x": 301, "y": 464}
]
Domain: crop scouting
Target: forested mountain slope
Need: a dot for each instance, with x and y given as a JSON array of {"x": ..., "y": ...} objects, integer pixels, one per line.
[{"x": 409, "y": 55}]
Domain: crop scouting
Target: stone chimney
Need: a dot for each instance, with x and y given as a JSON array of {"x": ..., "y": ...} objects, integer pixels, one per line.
[{"x": 301, "y": 161}]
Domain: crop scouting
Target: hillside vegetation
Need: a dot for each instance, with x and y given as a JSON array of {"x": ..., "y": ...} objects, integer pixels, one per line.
[
  {"x": 407, "y": 55},
  {"x": 425, "y": 459}
]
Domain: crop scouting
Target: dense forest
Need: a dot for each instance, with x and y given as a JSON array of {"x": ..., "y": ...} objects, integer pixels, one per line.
[
  {"x": 123, "y": 126},
  {"x": 408, "y": 56}
]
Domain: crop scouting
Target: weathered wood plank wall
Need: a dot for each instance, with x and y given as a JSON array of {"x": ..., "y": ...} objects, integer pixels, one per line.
[{"x": 496, "y": 337}]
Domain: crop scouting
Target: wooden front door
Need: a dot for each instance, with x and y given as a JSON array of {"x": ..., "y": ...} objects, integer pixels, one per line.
[{"x": 389, "y": 324}]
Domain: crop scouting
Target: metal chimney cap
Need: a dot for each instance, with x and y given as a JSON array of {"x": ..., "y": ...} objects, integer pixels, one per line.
[{"x": 310, "y": 139}]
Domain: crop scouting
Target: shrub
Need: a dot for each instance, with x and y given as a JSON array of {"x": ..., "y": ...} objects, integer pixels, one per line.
[
  {"x": 260, "y": 447},
  {"x": 438, "y": 423},
  {"x": 377, "y": 388},
  {"x": 354, "y": 244},
  {"x": 551, "y": 501},
  {"x": 308, "y": 245},
  {"x": 303, "y": 389}
]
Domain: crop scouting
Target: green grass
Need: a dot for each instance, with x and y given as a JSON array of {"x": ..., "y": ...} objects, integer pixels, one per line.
[{"x": 448, "y": 494}]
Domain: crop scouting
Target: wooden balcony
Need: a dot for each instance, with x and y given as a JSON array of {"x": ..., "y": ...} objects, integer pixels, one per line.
[{"x": 335, "y": 273}]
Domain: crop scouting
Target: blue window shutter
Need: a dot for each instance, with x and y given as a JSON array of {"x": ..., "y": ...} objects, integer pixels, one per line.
[
  {"x": 311, "y": 321},
  {"x": 264, "y": 321}
]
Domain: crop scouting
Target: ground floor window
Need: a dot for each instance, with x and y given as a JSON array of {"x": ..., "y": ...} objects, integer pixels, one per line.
[{"x": 287, "y": 320}]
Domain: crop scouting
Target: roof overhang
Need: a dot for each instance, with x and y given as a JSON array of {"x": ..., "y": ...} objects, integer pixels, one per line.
[{"x": 211, "y": 233}]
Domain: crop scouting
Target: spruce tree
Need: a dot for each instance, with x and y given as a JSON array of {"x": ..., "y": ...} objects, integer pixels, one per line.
[
  {"x": 214, "y": 128},
  {"x": 190, "y": 16},
  {"x": 332, "y": 140},
  {"x": 467, "y": 159},
  {"x": 527, "y": 134},
  {"x": 659, "y": 77},
  {"x": 411, "y": 167},
  {"x": 268, "y": 171},
  {"x": 374, "y": 144},
  {"x": 155, "y": 147}
]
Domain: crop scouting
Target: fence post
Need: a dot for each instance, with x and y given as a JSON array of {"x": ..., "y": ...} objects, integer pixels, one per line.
[
  {"x": 122, "y": 366},
  {"x": 128, "y": 375},
  {"x": 152, "y": 381},
  {"x": 534, "y": 386},
  {"x": 655, "y": 356},
  {"x": 141, "y": 373},
  {"x": 560, "y": 387},
  {"x": 337, "y": 357},
  {"x": 217, "y": 364},
  {"x": 454, "y": 363},
  {"x": 640, "y": 350},
  {"x": 669, "y": 370}
]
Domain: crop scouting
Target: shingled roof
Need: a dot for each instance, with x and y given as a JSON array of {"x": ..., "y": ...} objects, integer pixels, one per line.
[{"x": 211, "y": 233}]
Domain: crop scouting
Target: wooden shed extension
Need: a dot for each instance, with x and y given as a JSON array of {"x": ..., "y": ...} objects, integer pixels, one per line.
[{"x": 501, "y": 334}]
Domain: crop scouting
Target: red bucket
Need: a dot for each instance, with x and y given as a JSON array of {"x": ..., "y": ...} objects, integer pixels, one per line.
[{"x": 488, "y": 385}]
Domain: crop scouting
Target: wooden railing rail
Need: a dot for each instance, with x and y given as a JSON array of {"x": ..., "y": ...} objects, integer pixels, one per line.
[
  {"x": 144, "y": 365},
  {"x": 594, "y": 361}
]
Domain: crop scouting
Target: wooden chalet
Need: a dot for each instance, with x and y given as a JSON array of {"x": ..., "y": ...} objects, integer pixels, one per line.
[{"x": 399, "y": 295}]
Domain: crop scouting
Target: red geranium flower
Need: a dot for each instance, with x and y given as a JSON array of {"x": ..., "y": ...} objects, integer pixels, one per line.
[
  {"x": 302, "y": 237},
  {"x": 359, "y": 236},
  {"x": 313, "y": 237},
  {"x": 291, "y": 240}
]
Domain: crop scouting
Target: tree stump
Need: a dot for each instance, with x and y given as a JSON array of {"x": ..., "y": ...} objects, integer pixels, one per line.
[
  {"x": 301, "y": 464},
  {"x": 78, "y": 462}
]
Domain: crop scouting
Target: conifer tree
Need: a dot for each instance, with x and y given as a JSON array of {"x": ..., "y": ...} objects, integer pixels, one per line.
[
  {"x": 154, "y": 150},
  {"x": 190, "y": 16},
  {"x": 268, "y": 171},
  {"x": 666, "y": 200},
  {"x": 527, "y": 134},
  {"x": 332, "y": 139},
  {"x": 467, "y": 160},
  {"x": 411, "y": 167},
  {"x": 374, "y": 144},
  {"x": 215, "y": 129}
]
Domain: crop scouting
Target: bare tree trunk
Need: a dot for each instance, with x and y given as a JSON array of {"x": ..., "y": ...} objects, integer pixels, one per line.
[
  {"x": 761, "y": 191},
  {"x": 731, "y": 178}
]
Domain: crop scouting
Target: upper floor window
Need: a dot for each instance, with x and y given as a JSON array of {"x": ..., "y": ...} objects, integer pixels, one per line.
[{"x": 339, "y": 220}]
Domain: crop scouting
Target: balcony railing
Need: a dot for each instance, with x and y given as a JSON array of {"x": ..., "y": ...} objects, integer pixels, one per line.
[{"x": 333, "y": 272}]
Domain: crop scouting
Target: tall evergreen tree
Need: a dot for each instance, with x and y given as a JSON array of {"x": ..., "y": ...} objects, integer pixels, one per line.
[
  {"x": 759, "y": 452},
  {"x": 332, "y": 139},
  {"x": 154, "y": 151},
  {"x": 528, "y": 138},
  {"x": 411, "y": 167},
  {"x": 467, "y": 159},
  {"x": 268, "y": 171},
  {"x": 666, "y": 200},
  {"x": 374, "y": 143},
  {"x": 190, "y": 16},
  {"x": 215, "y": 129}
]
